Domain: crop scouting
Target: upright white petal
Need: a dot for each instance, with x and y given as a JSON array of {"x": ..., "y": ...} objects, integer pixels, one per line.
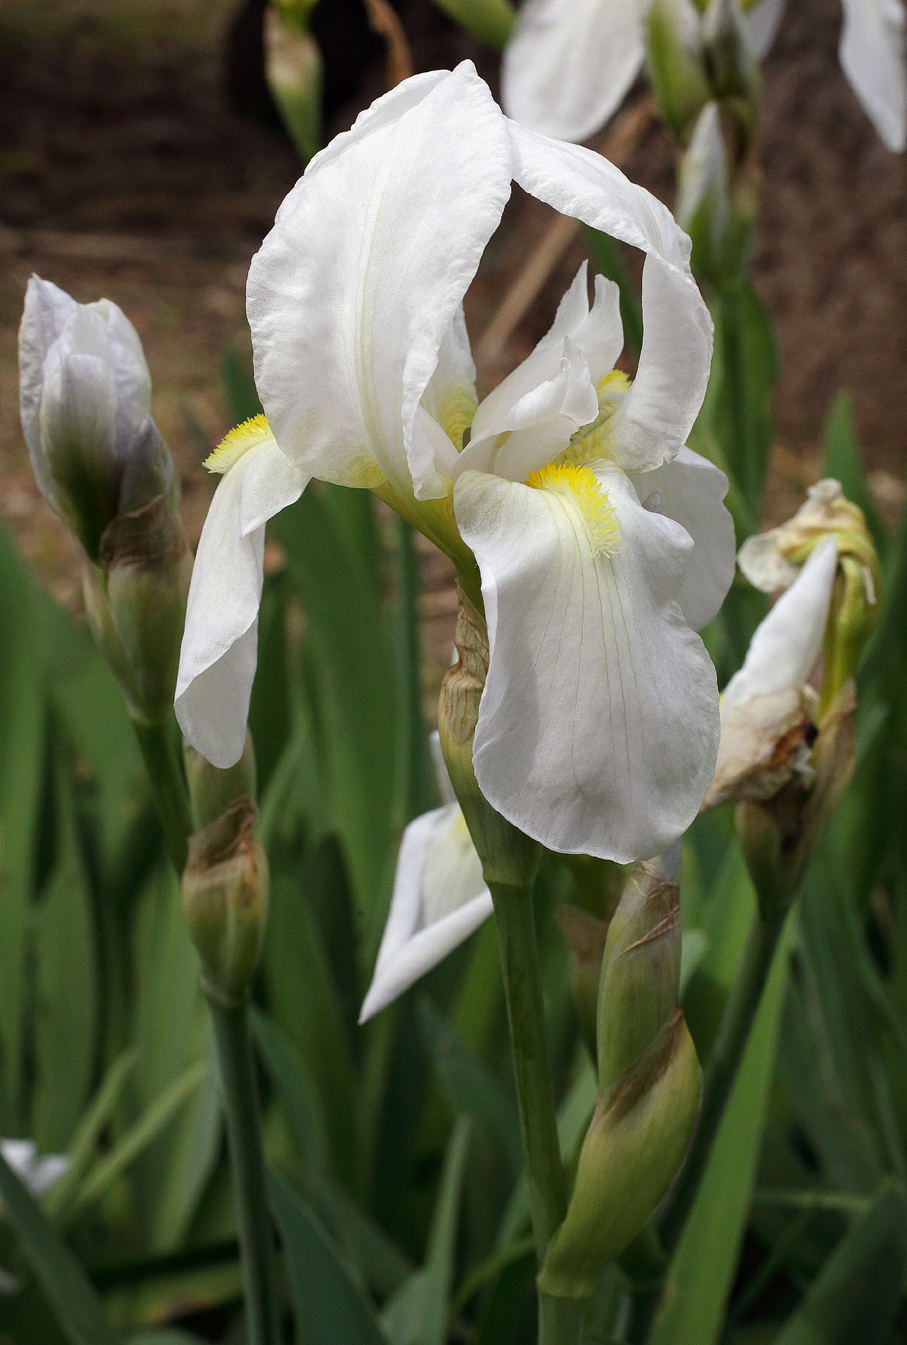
[
  {"x": 874, "y": 58},
  {"x": 786, "y": 645},
  {"x": 570, "y": 63},
  {"x": 762, "y": 22},
  {"x": 598, "y": 726},
  {"x": 653, "y": 421},
  {"x": 439, "y": 898},
  {"x": 691, "y": 490},
  {"x": 220, "y": 643},
  {"x": 353, "y": 290}
]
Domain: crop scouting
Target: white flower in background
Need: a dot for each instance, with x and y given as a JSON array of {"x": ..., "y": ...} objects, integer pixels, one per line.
[
  {"x": 768, "y": 709},
  {"x": 439, "y": 897},
  {"x": 37, "y": 1174},
  {"x": 601, "y": 541},
  {"x": 570, "y": 63},
  {"x": 85, "y": 401}
]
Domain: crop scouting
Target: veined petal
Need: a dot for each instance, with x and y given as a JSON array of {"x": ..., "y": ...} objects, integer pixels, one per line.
[
  {"x": 786, "y": 645},
  {"x": 654, "y": 419},
  {"x": 540, "y": 424},
  {"x": 220, "y": 643},
  {"x": 570, "y": 63},
  {"x": 874, "y": 58},
  {"x": 598, "y": 726},
  {"x": 439, "y": 898},
  {"x": 352, "y": 292},
  {"x": 691, "y": 490},
  {"x": 762, "y": 21}
]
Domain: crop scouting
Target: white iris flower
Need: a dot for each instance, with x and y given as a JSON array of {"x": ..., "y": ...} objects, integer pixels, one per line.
[
  {"x": 601, "y": 541},
  {"x": 570, "y": 63}
]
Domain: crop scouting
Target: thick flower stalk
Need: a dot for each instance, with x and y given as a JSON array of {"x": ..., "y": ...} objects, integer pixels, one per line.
[
  {"x": 101, "y": 464},
  {"x": 569, "y": 64},
  {"x": 586, "y": 536}
]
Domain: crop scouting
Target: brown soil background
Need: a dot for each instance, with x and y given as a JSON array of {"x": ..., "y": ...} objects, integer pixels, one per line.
[{"x": 124, "y": 172}]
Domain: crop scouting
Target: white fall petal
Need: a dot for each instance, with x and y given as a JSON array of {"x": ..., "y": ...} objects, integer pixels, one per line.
[
  {"x": 439, "y": 899},
  {"x": 767, "y": 704},
  {"x": 220, "y": 644},
  {"x": 597, "y": 728},
  {"x": 570, "y": 63}
]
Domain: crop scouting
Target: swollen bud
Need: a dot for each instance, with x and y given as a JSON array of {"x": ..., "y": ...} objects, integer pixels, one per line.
[
  {"x": 85, "y": 402},
  {"x": 677, "y": 68},
  {"x": 509, "y": 859},
  {"x": 225, "y": 897},
  {"x": 649, "y": 1089},
  {"x": 734, "y": 73},
  {"x": 585, "y": 935},
  {"x": 211, "y": 790},
  {"x": 135, "y": 598},
  {"x": 716, "y": 202},
  {"x": 293, "y": 69}
]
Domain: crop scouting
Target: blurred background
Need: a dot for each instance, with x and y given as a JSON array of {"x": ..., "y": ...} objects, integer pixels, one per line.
[{"x": 141, "y": 158}]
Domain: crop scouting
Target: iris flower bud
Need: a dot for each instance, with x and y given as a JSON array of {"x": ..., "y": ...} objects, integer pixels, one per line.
[
  {"x": 85, "y": 399},
  {"x": 648, "y": 1090},
  {"x": 293, "y": 70},
  {"x": 212, "y": 791},
  {"x": 677, "y": 68},
  {"x": 225, "y": 897}
]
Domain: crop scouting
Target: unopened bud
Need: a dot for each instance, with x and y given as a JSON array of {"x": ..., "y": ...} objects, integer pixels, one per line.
[
  {"x": 85, "y": 399},
  {"x": 491, "y": 21},
  {"x": 716, "y": 202},
  {"x": 509, "y": 859},
  {"x": 649, "y": 1089},
  {"x": 676, "y": 61},
  {"x": 225, "y": 896},
  {"x": 211, "y": 790},
  {"x": 135, "y": 598},
  {"x": 294, "y": 74},
  {"x": 779, "y": 835},
  {"x": 585, "y": 935}
]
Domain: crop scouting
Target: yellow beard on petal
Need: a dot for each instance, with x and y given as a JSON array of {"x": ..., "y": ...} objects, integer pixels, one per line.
[
  {"x": 581, "y": 487},
  {"x": 252, "y": 433}
]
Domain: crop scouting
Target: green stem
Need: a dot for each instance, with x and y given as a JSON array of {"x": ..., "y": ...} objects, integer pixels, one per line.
[
  {"x": 513, "y": 908},
  {"x": 240, "y": 1094},
  {"x": 168, "y": 786},
  {"x": 560, "y": 1320},
  {"x": 721, "y": 1071}
]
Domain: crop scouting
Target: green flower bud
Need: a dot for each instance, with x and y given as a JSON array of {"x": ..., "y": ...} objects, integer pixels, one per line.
[
  {"x": 585, "y": 935},
  {"x": 85, "y": 400},
  {"x": 211, "y": 790},
  {"x": 676, "y": 61},
  {"x": 649, "y": 1090},
  {"x": 225, "y": 898},
  {"x": 491, "y": 21},
  {"x": 293, "y": 71},
  {"x": 509, "y": 859},
  {"x": 716, "y": 204},
  {"x": 135, "y": 599}
]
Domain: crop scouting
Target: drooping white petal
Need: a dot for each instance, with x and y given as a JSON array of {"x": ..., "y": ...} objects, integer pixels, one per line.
[
  {"x": 220, "y": 643},
  {"x": 873, "y": 55},
  {"x": 691, "y": 490},
  {"x": 439, "y": 898},
  {"x": 353, "y": 290},
  {"x": 654, "y": 419},
  {"x": 762, "y": 21},
  {"x": 598, "y": 726},
  {"x": 539, "y": 425},
  {"x": 786, "y": 645},
  {"x": 570, "y": 63}
]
